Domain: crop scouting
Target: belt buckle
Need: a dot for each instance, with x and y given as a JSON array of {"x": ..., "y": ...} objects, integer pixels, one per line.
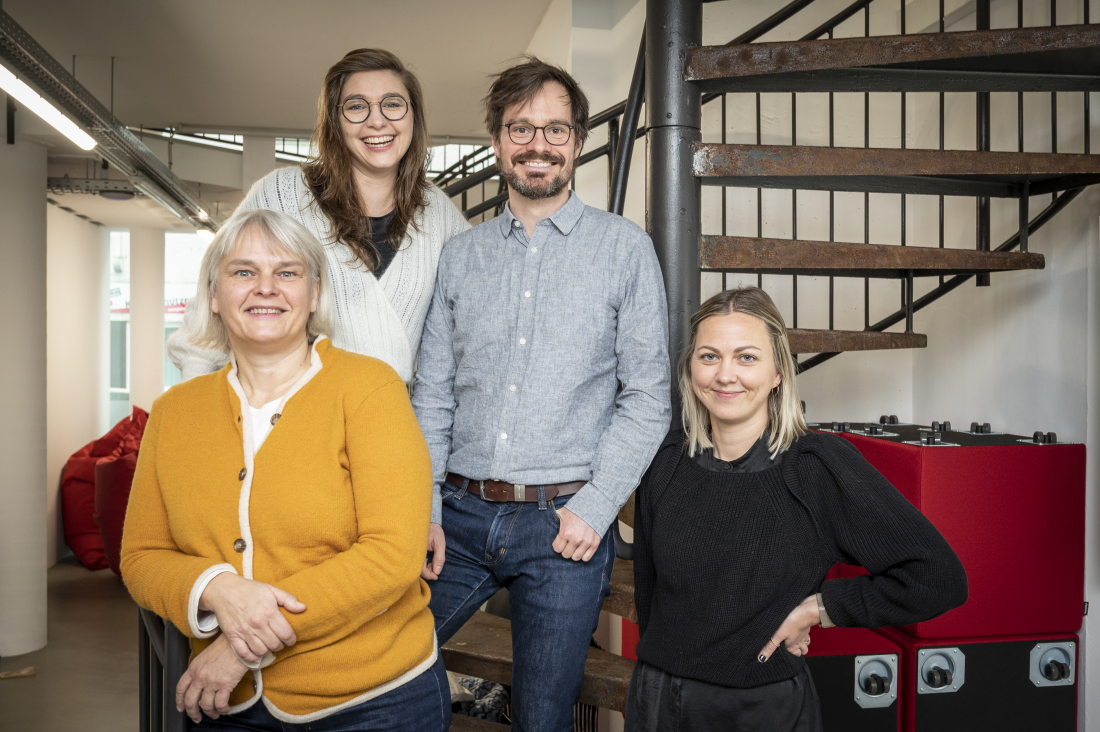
[{"x": 519, "y": 493}]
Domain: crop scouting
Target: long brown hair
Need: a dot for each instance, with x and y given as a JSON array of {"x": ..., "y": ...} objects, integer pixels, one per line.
[{"x": 329, "y": 175}]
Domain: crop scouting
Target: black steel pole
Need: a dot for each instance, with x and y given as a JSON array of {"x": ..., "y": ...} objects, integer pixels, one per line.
[
  {"x": 144, "y": 650},
  {"x": 673, "y": 121},
  {"x": 982, "y": 280},
  {"x": 625, "y": 150},
  {"x": 177, "y": 649}
]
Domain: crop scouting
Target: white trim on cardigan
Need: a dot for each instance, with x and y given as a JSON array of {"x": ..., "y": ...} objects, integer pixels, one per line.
[{"x": 379, "y": 317}]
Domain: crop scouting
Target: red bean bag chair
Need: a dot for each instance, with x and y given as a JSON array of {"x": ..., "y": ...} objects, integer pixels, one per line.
[{"x": 78, "y": 488}]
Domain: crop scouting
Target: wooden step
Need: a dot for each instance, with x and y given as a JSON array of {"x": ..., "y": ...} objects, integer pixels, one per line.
[
  {"x": 840, "y": 341},
  {"x": 462, "y": 723},
  {"x": 796, "y": 256},
  {"x": 621, "y": 600},
  {"x": 882, "y": 170},
  {"x": 1062, "y": 58},
  {"x": 483, "y": 648}
]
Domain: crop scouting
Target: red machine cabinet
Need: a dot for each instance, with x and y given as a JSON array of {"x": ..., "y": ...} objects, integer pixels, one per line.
[
  {"x": 1013, "y": 512},
  {"x": 855, "y": 672},
  {"x": 997, "y": 682}
]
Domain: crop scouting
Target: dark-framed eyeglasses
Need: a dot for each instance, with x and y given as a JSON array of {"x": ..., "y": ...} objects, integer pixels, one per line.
[
  {"x": 392, "y": 107},
  {"x": 522, "y": 133}
]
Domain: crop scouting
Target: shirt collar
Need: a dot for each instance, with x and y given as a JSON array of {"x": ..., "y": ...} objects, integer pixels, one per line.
[{"x": 565, "y": 218}]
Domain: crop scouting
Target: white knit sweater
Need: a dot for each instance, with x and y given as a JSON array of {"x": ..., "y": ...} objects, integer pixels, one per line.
[{"x": 379, "y": 317}]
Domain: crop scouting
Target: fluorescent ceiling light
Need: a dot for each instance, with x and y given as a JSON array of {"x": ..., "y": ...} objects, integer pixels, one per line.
[{"x": 30, "y": 99}]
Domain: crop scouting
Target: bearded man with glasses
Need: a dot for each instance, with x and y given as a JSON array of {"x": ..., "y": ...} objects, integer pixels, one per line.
[{"x": 543, "y": 392}]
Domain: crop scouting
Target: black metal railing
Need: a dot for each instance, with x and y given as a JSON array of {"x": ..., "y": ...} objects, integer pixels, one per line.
[
  {"x": 909, "y": 301},
  {"x": 163, "y": 653}
]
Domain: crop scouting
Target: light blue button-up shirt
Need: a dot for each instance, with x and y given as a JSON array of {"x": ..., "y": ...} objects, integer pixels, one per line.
[{"x": 545, "y": 359}]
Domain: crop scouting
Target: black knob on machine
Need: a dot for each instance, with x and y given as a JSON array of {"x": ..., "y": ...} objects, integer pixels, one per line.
[
  {"x": 874, "y": 429},
  {"x": 939, "y": 678},
  {"x": 986, "y": 429},
  {"x": 893, "y": 419},
  {"x": 1038, "y": 437},
  {"x": 846, "y": 427},
  {"x": 1054, "y": 671},
  {"x": 884, "y": 419},
  {"x": 935, "y": 426},
  {"x": 1052, "y": 438},
  {"x": 930, "y": 438},
  {"x": 975, "y": 428},
  {"x": 876, "y": 685},
  {"x": 946, "y": 427},
  {"x": 836, "y": 426}
]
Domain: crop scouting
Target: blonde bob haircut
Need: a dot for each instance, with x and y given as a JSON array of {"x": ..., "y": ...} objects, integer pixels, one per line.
[
  {"x": 785, "y": 421},
  {"x": 280, "y": 233}
]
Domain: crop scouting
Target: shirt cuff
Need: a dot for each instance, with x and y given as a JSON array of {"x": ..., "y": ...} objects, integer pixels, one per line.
[
  {"x": 590, "y": 505},
  {"x": 267, "y": 660},
  {"x": 437, "y": 505},
  {"x": 204, "y": 625}
]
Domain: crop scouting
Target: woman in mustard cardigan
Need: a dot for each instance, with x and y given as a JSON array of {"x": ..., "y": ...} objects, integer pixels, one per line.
[{"x": 280, "y": 509}]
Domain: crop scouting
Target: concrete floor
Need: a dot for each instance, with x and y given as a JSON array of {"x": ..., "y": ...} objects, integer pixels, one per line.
[{"x": 87, "y": 675}]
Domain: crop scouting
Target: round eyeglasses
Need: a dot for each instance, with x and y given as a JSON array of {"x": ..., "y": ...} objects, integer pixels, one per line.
[
  {"x": 358, "y": 110},
  {"x": 522, "y": 133}
]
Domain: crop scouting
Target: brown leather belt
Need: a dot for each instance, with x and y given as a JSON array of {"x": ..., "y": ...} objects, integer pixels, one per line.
[{"x": 498, "y": 490}]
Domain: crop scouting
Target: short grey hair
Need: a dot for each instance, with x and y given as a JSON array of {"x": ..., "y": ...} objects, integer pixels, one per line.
[
  {"x": 785, "y": 421},
  {"x": 279, "y": 232}
]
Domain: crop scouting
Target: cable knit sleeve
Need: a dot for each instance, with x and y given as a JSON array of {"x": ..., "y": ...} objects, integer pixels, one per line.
[{"x": 915, "y": 574}]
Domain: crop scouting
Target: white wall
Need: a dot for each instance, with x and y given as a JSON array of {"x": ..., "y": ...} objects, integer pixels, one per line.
[
  {"x": 77, "y": 349},
  {"x": 551, "y": 40},
  {"x": 146, "y": 316},
  {"x": 23, "y": 398}
]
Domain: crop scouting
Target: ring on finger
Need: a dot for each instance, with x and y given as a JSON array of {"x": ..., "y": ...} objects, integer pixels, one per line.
[{"x": 772, "y": 641}]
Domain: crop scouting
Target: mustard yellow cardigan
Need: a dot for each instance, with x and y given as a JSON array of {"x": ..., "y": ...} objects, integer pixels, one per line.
[{"x": 334, "y": 509}]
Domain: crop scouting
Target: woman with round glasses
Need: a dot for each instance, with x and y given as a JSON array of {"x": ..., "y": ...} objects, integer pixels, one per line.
[{"x": 367, "y": 198}]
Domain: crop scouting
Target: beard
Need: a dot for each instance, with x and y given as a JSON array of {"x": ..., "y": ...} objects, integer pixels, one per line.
[{"x": 541, "y": 187}]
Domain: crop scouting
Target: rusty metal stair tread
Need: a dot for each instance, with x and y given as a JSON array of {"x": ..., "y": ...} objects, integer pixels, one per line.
[
  {"x": 803, "y": 257},
  {"x": 1061, "y": 58},
  {"x": 462, "y": 723},
  {"x": 483, "y": 648},
  {"x": 839, "y": 341},
  {"x": 621, "y": 600},
  {"x": 892, "y": 170}
]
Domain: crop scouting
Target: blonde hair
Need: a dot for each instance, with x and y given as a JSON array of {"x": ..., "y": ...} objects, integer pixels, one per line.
[
  {"x": 279, "y": 232},
  {"x": 785, "y": 421}
]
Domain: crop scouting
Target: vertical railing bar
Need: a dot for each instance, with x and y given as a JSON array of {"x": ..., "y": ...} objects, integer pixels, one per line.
[
  {"x": 144, "y": 674},
  {"x": 942, "y": 105},
  {"x": 794, "y": 207},
  {"x": 906, "y": 291},
  {"x": 1025, "y": 192},
  {"x": 909, "y": 301},
  {"x": 759, "y": 193},
  {"x": 724, "y": 96},
  {"x": 612, "y": 146},
  {"x": 832, "y": 202},
  {"x": 982, "y": 134},
  {"x": 866, "y": 194}
]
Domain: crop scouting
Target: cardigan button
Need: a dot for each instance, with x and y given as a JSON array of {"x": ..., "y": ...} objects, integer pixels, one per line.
[
  {"x": 240, "y": 545},
  {"x": 244, "y": 472},
  {"x": 275, "y": 418}
]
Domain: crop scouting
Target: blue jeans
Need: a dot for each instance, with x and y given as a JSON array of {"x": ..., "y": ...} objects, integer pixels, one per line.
[
  {"x": 555, "y": 602},
  {"x": 420, "y": 705}
]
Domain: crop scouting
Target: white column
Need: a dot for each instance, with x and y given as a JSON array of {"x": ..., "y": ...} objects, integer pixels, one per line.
[
  {"x": 258, "y": 159},
  {"x": 23, "y": 398},
  {"x": 78, "y": 340},
  {"x": 146, "y": 316}
]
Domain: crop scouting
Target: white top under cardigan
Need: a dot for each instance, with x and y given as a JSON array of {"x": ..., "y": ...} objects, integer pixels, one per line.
[{"x": 379, "y": 317}]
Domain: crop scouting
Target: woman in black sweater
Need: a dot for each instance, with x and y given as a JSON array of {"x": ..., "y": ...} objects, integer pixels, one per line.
[{"x": 739, "y": 519}]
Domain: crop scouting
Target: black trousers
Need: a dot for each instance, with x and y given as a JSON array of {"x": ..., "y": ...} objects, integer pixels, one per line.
[{"x": 660, "y": 702}]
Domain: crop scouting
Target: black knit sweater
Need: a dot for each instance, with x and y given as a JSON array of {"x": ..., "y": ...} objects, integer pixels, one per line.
[{"x": 722, "y": 559}]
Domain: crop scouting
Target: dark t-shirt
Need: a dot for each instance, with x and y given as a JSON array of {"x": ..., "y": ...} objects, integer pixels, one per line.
[
  {"x": 756, "y": 459},
  {"x": 379, "y": 230}
]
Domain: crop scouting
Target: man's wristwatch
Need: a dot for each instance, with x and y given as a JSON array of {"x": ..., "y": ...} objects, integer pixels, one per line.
[{"x": 823, "y": 616}]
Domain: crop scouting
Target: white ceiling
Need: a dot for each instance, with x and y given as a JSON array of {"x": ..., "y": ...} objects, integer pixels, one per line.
[{"x": 260, "y": 63}]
